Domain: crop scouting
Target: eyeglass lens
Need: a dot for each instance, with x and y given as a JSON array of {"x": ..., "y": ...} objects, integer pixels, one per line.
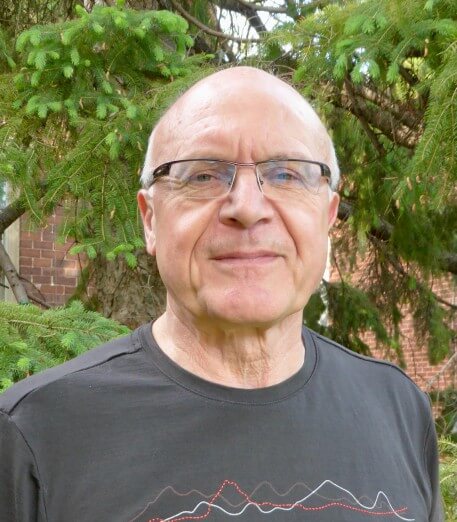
[{"x": 212, "y": 179}]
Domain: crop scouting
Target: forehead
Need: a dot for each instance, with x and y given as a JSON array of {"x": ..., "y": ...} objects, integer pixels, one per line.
[{"x": 240, "y": 118}]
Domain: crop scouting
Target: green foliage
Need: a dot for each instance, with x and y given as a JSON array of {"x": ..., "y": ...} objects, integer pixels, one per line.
[
  {"x": 431, "y": 320},
  {"x": 32, "y": 340},
  {"x": 92, "y": 51},
  {"x": 448, "y": 477},
  {"x": 383, "y": 73},
  {"x": 353, "y": 314},
  {"x": 6, "y": 57},
  {"x": 446, "y": 423},
  {"x": 17, "y": 15},
  {"x": 79, "y": 112},
  {"x": 370, "y": 42}
]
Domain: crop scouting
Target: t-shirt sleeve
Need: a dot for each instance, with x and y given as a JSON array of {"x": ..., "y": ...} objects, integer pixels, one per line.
[
  {"x": 432, "y": 465},
  {"x": 20, "y": 493}
]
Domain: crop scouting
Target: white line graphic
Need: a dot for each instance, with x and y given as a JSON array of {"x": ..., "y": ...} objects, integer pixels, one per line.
[
  {"x": 231, "y": 504},
  {"x": 211, "y": 505}
]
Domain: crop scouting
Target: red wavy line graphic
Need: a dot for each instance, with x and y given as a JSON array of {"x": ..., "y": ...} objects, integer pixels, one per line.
[{"x": 274, "y": 505}]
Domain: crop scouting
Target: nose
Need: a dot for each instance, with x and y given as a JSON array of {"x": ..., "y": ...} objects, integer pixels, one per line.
[{"x": 245, "y": 204}]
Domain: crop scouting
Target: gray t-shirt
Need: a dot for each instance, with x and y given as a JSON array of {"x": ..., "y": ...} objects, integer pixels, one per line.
[{"x": 123, "y": 434}]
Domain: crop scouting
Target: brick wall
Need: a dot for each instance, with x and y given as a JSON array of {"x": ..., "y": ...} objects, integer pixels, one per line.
[
  {"x": 417, "y": 366},
  {"x": 46, "y": 264},
  {"x": 426, "y": 376}
]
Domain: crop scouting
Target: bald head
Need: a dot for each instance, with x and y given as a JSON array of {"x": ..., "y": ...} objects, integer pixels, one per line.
[{"x": 230, "y": 97}]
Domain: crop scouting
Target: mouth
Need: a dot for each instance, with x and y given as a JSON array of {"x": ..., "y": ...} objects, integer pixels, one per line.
[{"x": 262, "y": 257}]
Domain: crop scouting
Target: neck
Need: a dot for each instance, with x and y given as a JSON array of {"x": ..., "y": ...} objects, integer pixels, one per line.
[{"x": 239, "y": 357}]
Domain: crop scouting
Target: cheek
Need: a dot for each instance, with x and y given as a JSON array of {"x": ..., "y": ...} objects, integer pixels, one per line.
[
  {"x": 308, "y": 229},
  {"x": 179, "y": 230}
]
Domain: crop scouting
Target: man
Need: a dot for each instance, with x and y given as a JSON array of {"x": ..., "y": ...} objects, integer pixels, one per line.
[{"x": 226, "y": 408}]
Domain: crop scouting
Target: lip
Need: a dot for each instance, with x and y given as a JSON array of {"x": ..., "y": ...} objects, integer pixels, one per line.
[{"x": 257, "y": 257}]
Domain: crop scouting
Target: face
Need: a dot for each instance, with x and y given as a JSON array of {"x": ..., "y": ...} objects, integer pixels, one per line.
[{"x": 242, "y": 258}]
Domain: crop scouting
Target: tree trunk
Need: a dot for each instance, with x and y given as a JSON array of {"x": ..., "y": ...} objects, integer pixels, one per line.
[
  {"x": 8, "y": 268},
  {"x": 130, "y": 296}
]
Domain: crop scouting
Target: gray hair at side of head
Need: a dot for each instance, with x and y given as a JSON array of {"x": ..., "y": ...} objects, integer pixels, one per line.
[
  {"x": 334, "y": 168},
  {"x": 146, "y": 173}
]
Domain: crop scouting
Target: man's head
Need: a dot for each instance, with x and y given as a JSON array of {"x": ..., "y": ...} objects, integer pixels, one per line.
[{"x": 243, "y": 258}]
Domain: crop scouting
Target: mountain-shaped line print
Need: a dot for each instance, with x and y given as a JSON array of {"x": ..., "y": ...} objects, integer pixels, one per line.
[{"x": 232, "y": 501}]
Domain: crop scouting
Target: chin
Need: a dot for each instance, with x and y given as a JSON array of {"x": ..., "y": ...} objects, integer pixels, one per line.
[
  {"x": 259, "y": 309},
  {"x": 240, "y": 322}
]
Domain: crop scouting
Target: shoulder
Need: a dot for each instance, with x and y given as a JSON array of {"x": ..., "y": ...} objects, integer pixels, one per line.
[
  {"x": 96, "y": 357},
  {"x": 380, "y": 380},
  {"x": 338, "y": 354}
]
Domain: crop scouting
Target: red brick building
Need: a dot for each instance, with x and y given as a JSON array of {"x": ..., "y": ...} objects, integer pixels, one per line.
[
  {"x": 416, "y": 361},
  {"x": 47, "y": 264}
]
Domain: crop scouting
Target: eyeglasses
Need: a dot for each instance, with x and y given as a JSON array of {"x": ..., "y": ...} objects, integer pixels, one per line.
[{"x": 206, "y": 178}]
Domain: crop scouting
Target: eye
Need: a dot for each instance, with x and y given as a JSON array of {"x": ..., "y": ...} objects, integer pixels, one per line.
[
  {"x": 282, "y": 176},
  {"x": 202, "y": 177},
  {"x": 290, "y": 175},
  {"x": 196, "y": 173},
  {"x": 208, "y": 174}
]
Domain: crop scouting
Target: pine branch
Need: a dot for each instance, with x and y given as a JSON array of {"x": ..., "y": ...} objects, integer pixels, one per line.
[
  {"x": 449, "y": 363},
  {"x": 307, "y": 8},
  {"x": 446, "y": 261},
  {"x": 366, "y": 127},
  {"x": 32, "y": 339},
  {"x": 11, "y": 213},
  {"x": 396, "y": 264},
  {"x": 16, "y": 209},
  {"x": 33, "y": 292},
  {"x": 382, "y": 120},
  {"x": 255, "y": 7},
  {"x": 303, "y": 8},
  {"x": 402, "y": 113},
  {"x": 40, "y": 302},
  {"x": 382, "y": 232},
  {"x": 225, "y": 45},
  {"x": 247, "y": 10},
  {"x": 207, "y": 29},
  {"x": 410, "y": 78}
]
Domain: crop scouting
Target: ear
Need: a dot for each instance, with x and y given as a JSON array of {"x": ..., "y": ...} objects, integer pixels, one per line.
[
  {"x": 147, "y": 216},
  {"x": 334, "y": 201}
]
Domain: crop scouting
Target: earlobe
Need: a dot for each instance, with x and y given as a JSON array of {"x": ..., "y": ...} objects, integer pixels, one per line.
[{"x": 148, "y": 218}]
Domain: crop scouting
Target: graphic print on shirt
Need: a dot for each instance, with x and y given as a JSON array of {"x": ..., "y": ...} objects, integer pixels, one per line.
[{"x": 230, "y": 501}]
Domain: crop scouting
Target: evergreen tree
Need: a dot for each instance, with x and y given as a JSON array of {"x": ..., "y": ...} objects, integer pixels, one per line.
[
  {"x": 80, "y": 90},
  {"x": 80, "y": 96},
  {"x": 32, "y": 340},
  {"x": 384, "y": 75}
]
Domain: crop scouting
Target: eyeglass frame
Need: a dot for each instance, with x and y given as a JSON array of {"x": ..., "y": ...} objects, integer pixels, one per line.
[{"x": 165, "y": 167}]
